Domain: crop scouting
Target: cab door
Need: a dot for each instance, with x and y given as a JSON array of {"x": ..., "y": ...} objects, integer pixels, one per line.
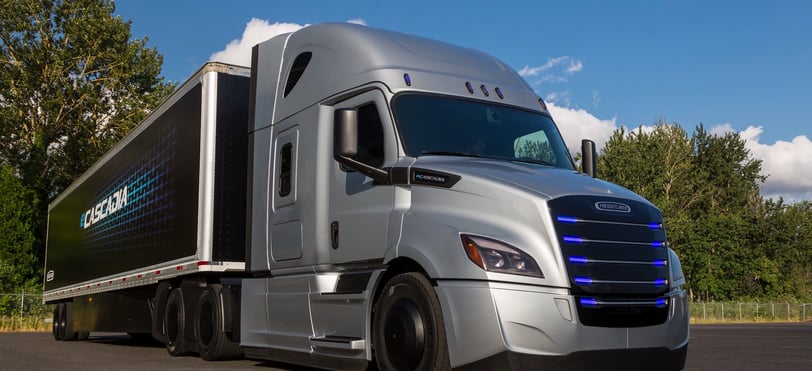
[{"x": 359, "y": 208}]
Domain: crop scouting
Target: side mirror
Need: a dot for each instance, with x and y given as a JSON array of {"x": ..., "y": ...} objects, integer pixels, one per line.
[
  {"x": 345, "y": 145},
  {"x": 345, "y": 133},
  {"x": 589, "y": 158}
]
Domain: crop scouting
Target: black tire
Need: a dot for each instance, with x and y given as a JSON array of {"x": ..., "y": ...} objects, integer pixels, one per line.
[
  {"x": 161, "y": 293},
  {"x": 56, "y": 325},
  {"x": 212, "y": 342},
  {"x": 408, "y": 332},
  {"x": 175, "y": 324},
  {"x": 65, "y": 331}
]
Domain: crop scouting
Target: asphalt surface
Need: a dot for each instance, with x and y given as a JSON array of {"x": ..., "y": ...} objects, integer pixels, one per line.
[{"x": 771, "y": 347}]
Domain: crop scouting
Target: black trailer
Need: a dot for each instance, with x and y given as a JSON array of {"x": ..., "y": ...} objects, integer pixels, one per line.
[{"x": 167, "y": 201}]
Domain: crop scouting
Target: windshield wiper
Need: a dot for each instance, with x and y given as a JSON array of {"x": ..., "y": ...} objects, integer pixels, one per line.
[{"x": 450, "y": 153}]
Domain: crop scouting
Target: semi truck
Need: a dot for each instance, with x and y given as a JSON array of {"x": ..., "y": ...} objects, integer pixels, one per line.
[{"x": 364, "y": 197}]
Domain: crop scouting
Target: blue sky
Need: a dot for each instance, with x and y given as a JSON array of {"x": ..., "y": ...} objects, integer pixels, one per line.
[{"x": 740, "y": 66}]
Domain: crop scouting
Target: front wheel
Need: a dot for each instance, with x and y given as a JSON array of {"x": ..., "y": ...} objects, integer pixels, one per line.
[{"x": 408, "y": 332}]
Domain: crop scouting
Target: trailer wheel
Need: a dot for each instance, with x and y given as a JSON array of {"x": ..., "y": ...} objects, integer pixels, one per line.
[
  {"x": 407, "y": 325},
  {"x": 63, "y": 322},
  {"x": 56, "y": 325},
  {"x": 212, "y": 342},
  {"x": 175, "y": 324}
]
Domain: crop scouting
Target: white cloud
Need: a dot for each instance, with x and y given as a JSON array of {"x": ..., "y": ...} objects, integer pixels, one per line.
[
  {"x": 785, "y": 163},
  {"x": 554, "y": 70},
  {"x": 574, "y": 66},
  {"x": 238, "y": 51},
  {"x": 577, "y": 124},
  {"x": 357, "y": 21},
  {"x": 560, "y": 98},
  {"x": 722, "y": 129}
]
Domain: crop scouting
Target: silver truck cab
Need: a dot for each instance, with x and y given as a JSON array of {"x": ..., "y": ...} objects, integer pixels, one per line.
[{"x": 412, "y": 202}]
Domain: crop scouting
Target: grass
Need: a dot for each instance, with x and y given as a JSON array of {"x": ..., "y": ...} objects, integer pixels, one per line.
[{"x": 24, "y": 324}]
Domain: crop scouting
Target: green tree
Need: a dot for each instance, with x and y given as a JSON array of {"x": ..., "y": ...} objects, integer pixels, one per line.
[
  {"x": 72, "y": 83},
  {"x": 707, "y": 187},
  {"x": 784, "y": 238},
  {"x": 18, "y": 263}
]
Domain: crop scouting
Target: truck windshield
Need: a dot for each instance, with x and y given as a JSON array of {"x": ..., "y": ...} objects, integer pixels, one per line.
[{"x": 435, "y": 125}]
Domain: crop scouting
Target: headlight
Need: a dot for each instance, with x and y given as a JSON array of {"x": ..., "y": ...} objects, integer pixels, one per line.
[{"x": 496, "y": 256}]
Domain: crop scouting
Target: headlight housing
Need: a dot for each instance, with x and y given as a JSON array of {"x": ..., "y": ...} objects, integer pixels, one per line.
[
  {"x": 677, "y": 277},
  {"x": 496, "y": 256}
]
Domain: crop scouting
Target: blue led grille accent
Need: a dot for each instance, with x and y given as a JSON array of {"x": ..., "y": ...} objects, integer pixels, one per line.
[
  {"x": 660, "y": 282},
  {"x": 659, "y": 263},
  {"x": 579, "y": 259},
  {"x": 658, "y": 244},
  {"x": 583, "y": 280},
  {"x": 567, "y": 219},
  {"x": 589, "y": 302},
  {"x": 661, "y": 302},
  {"x": 573, "y": 239},
  {"x": 655, "y": 225}
]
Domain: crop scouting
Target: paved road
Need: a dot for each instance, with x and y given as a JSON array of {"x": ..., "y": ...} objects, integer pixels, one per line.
[{"x": 770, "y": 347}]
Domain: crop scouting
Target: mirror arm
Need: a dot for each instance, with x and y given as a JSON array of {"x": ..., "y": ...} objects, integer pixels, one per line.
[{"x": 380, "y": 176}]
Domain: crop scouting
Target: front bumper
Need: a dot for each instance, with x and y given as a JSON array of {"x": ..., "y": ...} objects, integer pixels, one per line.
[{"x": 507, "y": 326}]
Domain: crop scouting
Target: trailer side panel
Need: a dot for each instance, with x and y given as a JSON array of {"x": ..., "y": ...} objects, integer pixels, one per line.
[{"x": 138, "y": 209}]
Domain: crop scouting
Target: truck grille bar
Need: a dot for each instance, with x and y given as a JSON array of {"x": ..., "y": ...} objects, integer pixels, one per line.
[{"x": 616, "y": 259}]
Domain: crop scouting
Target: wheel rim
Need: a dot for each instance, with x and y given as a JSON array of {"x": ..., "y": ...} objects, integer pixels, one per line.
[
  {"x": 62, "y": 323},
  {"x": 56, "y": 324},
  {"x": 404, "y": 335}
]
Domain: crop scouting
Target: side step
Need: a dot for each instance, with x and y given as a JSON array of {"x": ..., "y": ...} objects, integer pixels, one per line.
[{"x": 338, "y": 342}]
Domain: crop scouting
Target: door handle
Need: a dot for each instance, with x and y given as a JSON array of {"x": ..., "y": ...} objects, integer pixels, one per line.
[{"x": 334, "y": 235}]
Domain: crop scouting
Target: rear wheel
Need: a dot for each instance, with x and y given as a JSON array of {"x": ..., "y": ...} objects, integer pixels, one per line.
[
  {"x": 56, "y": 325},
  {"x": 175, "y": 324},
  {"x": 212, "y": 342},
  {"x": 408, "y": 329},
  {"x": 63, "y": 322}
]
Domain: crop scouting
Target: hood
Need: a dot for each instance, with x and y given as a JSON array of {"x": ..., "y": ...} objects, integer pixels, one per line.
[{"x": 544, "y": 181}]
